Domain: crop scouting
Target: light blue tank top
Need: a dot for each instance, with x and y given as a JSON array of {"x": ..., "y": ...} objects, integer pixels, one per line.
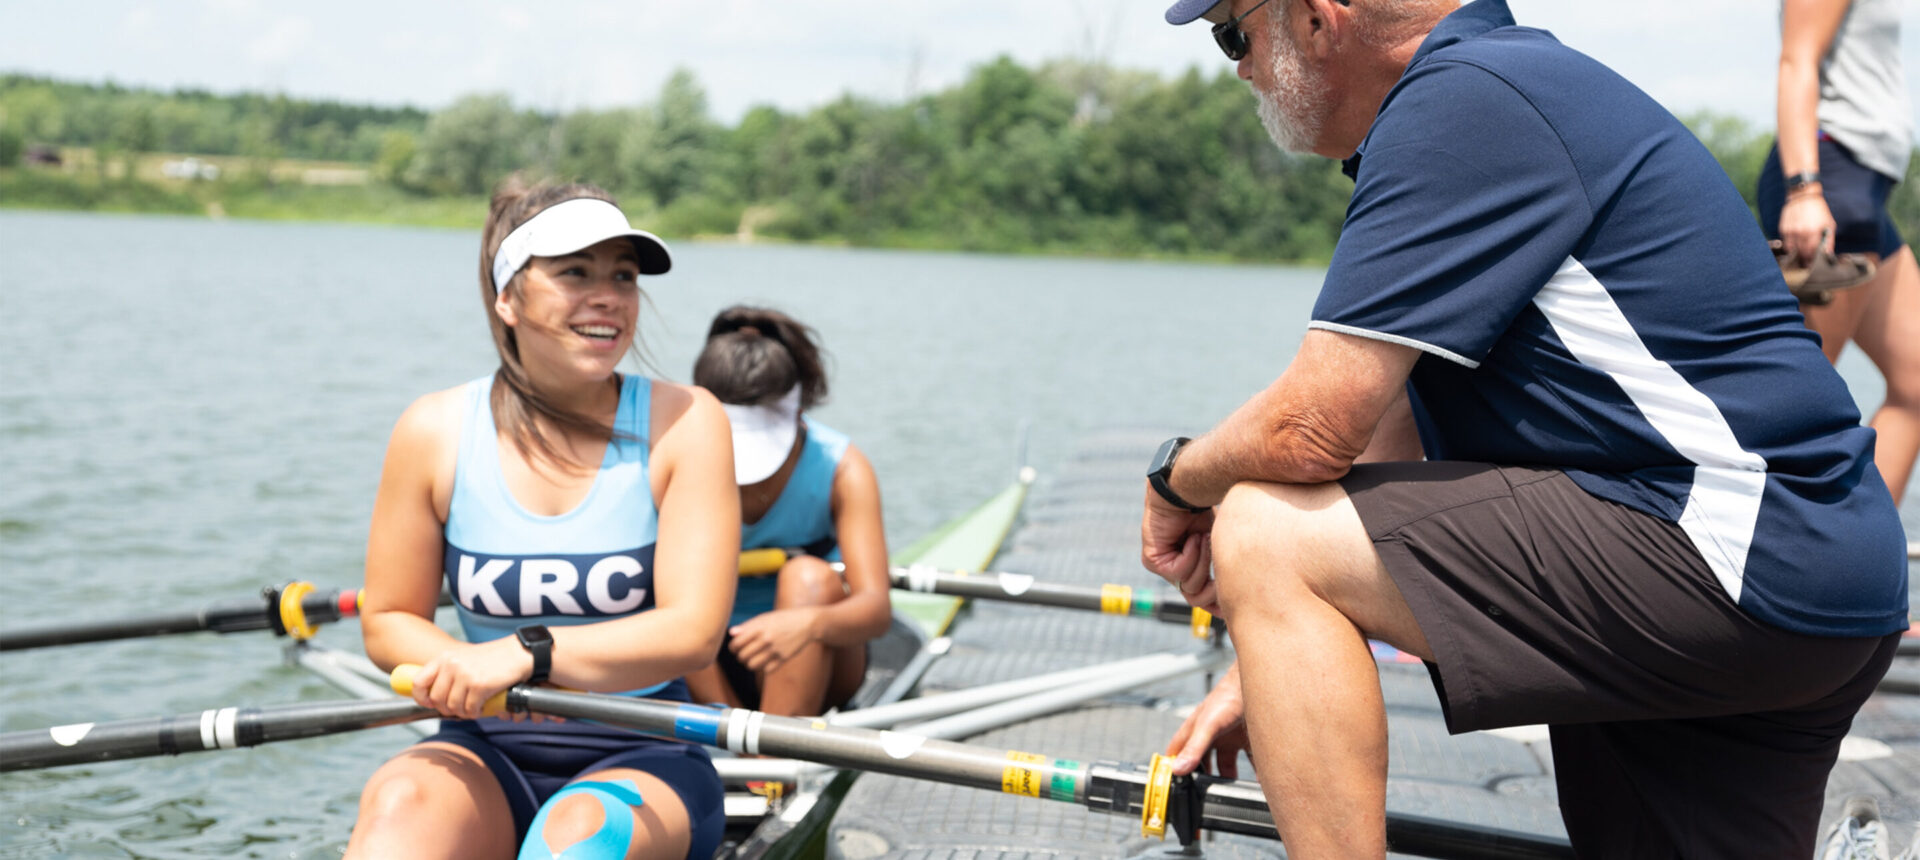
[
  {"x": 801, "y": 517},
  {"x": 507, "y": 567}
]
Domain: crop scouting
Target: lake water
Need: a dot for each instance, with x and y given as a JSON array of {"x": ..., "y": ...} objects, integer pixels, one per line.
[{"x": 191, "y": 409}]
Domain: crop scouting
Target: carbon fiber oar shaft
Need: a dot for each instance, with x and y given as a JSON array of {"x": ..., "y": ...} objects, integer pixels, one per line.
[
  {"x": 263, "y": 613},
  {"x": 219, "y": 728}
]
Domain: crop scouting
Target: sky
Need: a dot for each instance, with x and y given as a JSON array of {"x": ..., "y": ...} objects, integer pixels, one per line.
[{"x": 562, "y": 55}]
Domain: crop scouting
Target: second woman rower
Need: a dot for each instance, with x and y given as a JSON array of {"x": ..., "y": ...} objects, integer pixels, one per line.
[{"x": 796, "y": 642}]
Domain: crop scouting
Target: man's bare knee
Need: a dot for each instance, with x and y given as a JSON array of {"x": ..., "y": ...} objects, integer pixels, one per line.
[
  {"x": 1281, "y": 543},
  {"x": 1256, "y": 565}
]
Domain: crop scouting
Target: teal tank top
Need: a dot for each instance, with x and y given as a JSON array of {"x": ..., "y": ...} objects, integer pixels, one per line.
[
  {"x": 801, "y": 517},
  {"x": 507, "y": 567}
]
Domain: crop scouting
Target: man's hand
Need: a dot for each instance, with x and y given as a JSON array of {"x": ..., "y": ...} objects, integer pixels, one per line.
[
  {"x": 769, "y": 639},
  {"x": 1218, "y": 724},
  {"x": 1175, "y": 544}
]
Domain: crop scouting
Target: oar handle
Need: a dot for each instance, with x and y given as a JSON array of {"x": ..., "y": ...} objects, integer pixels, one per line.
[
  {"x": 402, "y": 682},
  {"x": 762, "y": 562}
]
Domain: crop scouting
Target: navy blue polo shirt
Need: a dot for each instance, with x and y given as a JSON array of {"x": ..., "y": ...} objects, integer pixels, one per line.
[{"x": 1591, "y": 294}]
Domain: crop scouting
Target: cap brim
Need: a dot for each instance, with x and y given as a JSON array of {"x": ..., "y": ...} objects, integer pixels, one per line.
[
  {"x": 762, "y": 438},
  {"x": 651, "y": 252},
  {"x": 584, "y": 222},
  {"x": 1189, "y": 11}
]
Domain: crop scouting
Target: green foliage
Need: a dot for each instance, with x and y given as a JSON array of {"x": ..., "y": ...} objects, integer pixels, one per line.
[
  {"x": 196, "y": 121},
  {"x": 1905, "y": 203},
  {"x": 395, "y": 157},
  {"x": 36, "y": 189},
  {"x": 1069, "y": 157},
  {"x": 12, "y": 146},
  {"x": 470, "y": 145}
]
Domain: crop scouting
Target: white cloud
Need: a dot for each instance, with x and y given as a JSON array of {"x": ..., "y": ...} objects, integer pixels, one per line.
[
  {"x": 281, "y": 43},
  {"x": 138, "y": 21}
]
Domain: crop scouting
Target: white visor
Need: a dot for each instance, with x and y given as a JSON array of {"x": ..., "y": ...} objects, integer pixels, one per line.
[
  {"x": 564, "y": 228},
  {"x": 763, "y": 436}
]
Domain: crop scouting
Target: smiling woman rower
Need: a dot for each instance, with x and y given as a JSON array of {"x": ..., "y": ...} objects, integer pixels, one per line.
[
  {"x": 797, "y": 642},
  {"x": 587, "y": 527}
]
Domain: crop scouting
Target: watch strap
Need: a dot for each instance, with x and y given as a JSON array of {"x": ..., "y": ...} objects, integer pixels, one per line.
[
  {"x": 1160, "y": 477},
  {"x": 539, "y": 642},
  {"x": 1802, "y": 179}
]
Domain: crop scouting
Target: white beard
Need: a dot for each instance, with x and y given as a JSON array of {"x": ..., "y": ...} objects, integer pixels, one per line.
[{"x": 1294, "y": 111}]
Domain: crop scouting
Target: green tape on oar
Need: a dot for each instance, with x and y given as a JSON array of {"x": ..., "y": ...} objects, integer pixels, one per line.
[{"x": 1065, "y": 784}]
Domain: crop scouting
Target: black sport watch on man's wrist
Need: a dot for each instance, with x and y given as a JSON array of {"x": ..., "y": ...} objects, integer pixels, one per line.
[
  {"x": 1160, "y": 474},
  {"x": 538, "y": 641}
]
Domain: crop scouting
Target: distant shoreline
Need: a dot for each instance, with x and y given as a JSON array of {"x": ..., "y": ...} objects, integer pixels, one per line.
[{"x": 334, "y": 206}]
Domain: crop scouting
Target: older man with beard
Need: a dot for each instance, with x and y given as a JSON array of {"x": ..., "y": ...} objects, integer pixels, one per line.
[{"x": 1647, "y": 514}]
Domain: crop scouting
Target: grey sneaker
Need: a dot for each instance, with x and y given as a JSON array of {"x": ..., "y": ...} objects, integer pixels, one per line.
[{"x": 1860, "y": 834}]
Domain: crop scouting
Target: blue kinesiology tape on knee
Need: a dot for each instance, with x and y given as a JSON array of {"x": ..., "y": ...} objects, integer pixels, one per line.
[{"x": 608, "y": 843}]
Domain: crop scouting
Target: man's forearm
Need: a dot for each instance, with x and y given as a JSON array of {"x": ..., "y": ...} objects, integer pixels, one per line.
[
  {"x": 1310, "y": 425},
  {"x": 1261, "y": 441}
]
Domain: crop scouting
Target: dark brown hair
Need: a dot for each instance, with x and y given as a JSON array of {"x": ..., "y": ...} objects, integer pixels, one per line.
[
  {"x": 754, "y": 356},
  {"x": 517, "y": 405}
]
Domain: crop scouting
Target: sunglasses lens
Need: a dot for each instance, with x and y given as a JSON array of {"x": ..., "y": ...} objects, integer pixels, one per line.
[{"x": 1232, "y": 41}]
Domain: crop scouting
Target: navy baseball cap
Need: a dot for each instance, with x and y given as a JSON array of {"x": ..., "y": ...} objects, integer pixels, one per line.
[{"x": 1188, "y": 11}]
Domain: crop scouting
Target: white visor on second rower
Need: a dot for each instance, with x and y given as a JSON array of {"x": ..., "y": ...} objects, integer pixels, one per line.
[
  {"x": 568, "y": 226},
  {"x": 763, "y": 436}
]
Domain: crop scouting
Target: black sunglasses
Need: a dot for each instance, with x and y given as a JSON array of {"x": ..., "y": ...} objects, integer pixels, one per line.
[{"x": 1233, "y": 40}]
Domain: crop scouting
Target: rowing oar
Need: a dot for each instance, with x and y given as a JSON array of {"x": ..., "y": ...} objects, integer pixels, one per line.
[
  {"x": 1019, "y": 588},
  {"x": 294, "y": 609},
  {"x": 1188, "y": 804},
  {"x": 217, "y": 729},
  {"x": 288, "y": 610}
]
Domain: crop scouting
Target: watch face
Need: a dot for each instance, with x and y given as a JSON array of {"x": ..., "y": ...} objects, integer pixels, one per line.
[
  {"x": 1162, "y": 459},
  {"x": 534, "y": 634}
]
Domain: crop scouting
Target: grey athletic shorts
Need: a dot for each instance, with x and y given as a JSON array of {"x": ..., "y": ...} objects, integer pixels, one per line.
[{"x": 1681, "y": 726}]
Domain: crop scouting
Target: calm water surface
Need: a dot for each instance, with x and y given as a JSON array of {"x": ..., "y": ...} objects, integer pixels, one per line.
[{"x": 190, "y": 409}]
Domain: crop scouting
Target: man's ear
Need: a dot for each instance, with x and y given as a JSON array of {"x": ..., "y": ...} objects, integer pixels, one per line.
[{"x": 1324, "y": 25}]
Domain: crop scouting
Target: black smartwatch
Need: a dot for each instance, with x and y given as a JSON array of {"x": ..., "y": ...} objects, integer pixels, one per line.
[
  {"x": 1160, "y": 474},
  {"x": 538, "y": 641}
]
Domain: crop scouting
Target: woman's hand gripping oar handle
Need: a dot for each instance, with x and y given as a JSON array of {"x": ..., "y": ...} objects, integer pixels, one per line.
[{"x": 402, "y": 683}]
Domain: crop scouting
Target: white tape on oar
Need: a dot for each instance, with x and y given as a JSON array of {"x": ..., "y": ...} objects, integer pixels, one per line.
[
  {"x": 900, "y": 744},
  {"x": 223, "y": 728},
  {"x": 754, "y": 721},
  {"x": 922, "y": 578},
  {"x": 67, "y": 736},
  {"x": 1015, "y": 584},
  {"x": 737, "y": 730},
  {"x": 208, "y": 741}
]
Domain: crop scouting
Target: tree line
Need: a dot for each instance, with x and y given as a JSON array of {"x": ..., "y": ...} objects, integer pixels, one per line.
[{"x": 1069, "y": 157}]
